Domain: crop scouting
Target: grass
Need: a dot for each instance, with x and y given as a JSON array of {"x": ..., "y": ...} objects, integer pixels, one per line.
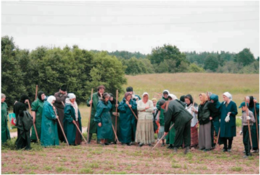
[{"x": 236, "y": 168}]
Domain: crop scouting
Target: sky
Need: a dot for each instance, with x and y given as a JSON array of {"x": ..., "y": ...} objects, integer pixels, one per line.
[{"x": 137, "y": 26}]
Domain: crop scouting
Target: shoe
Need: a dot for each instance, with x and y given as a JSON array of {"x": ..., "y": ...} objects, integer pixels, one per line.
[
  {"x": 245, "y": 157},
  {"x": 175, "y": 149},
  {"x": 186, "y": 150},
  {"x": 128, "y": 144},
  {"x": 115, "y": 142},
  {"x": 229, "y": 150},
  {"x": 150, "y": 144},
  {"x": 163, "y": 144},
  {"x": 106, "y": 143},
  {"x": 170, "y": 146},
  {"x": 202, "y": 149},
  {"x": 255, "y": 151},
  {"x": 225, "y": 150},
  {"x": 141, "y": 144}
]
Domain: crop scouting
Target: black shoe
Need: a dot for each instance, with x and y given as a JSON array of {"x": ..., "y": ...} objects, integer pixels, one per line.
[
  {"x": 128, "y": 144},
  {"x": 141, "y": 144},
  {"x": 170, "y": 146},
  {"x": 225, "y": 150},
  {"x": 202, "y": 149}
]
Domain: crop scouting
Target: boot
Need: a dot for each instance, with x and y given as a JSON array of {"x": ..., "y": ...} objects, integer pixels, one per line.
[{"x": 90, "y": 136}]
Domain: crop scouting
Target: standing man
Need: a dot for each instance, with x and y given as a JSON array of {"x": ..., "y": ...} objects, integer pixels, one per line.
[
  {"x": 59, "y": 104},
  {"x": 175, "y": 112},
  {"x": 134, "y": 96},
  {"x": 95, "y": 98}
]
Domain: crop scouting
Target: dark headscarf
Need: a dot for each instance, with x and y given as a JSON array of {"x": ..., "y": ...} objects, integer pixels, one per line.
[
  {"x": 127, "y": 94},
  {"x": 251, "y": 102},
  {"x": 214, "y": 97},
  {"x": 39, "y": 95},
  {"x": 182, "y": 98},
  {"x": 63, "y": 88},
  {"x": 23, "y": 98},
  {"x": 190, "y": 98}
]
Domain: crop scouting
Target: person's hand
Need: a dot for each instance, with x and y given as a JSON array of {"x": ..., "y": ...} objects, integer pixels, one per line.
[
  {"x": 210, "y": 118},
  {"x": 248, "y": 117},
  {"x": 165, "y": 133},
  {"x": 99, "y": 124},
  {"x": 197, "y": 125},
  {"x": 255, "y": 101},
  {"x": 147, "y": 107},
  {"x": 57, "y": 117},
  {"x": 229, "y": 113},
  {"x": 127, "y": 102},
  {"x": 33, "y": 120},
  {"x": 26, "y": 101},
  {"x": 227, "y": 119},
  {"x": 90, "y": 102},
  {"x": 240, "y": 132},
  {"x": 130, "y": 106},
  {"x": 116, "y": 105},
  {"x": 192, "y": 109}
]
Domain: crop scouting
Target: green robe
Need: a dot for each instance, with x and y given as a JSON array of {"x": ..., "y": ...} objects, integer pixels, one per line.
[
  {"x": 93, "y": 124},
  {"x": 127, "y": 121},
  {"x": 181, "y": 118},
  {"x": 37, "y": 107},
  {"x": 103, "y": 116},
  {"x": 69, "y": 127},
  {"x": 253, "y": 133},
  {"x": 5, "y": 131},
  {"x": 49, "y": 129}
]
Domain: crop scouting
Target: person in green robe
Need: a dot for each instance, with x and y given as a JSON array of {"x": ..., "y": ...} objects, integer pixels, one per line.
[
  {"x": 95, "y": 98},
  {"x": 254, "y": 107},
  {"x": 49, "y": 129},
  {"x": 103, "y": 120},
  {"x": 23, "y": 135},
  {"x": 114, "y": 116},
  {"x": 127, "y": 119},
  {"x": 160, "y": 119},
  {"x": 37, "y": 107},
  {"x": 4, "y": 112},
  {"x": 72, "y": 118},
  {"x": 175, "y": 112}
]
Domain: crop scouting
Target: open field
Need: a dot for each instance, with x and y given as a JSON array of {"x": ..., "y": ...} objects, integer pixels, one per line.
[{"x": 113, "y": 159}]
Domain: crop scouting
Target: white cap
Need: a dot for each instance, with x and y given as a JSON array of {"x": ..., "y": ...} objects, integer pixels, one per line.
[{"x": 71, "y": 96}]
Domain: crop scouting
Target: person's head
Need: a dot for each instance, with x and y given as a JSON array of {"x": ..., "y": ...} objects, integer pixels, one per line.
[
  {"x": 130, "y": 89},
  {"x": 63, "y": 89},
  {"x": 23, "y": 98},
  {"x": 227, "y": 97},
  {"x": 166, "y": 93},
  {"x": 203, "y": 98},
  {"x": 162, "y": 103},
  {"x": 128, "y": 96},
  {"x": 247, "y": 99},
  {"x": 188, "y": 99},
  {"x": 111, "y": 98},
  {"x": 154, "y": 100},
  {"x": 244, "y": 106},
  {"x": 106, "y": 97},
  {"x": 51, "y": 99},
  {"x": 208, "y": 95},
  {"x": 41, "y": 95},
  {"x": 101, "y": 89},
  {"x": 72, "y": 97},
  {"x": 145, "y": 97},
  {"x": 3, "y": 97}
]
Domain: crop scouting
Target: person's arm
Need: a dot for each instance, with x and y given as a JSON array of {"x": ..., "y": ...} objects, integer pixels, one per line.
[
  {"x": 150, "y": 109},
  {"x": 134, "y": 105},
  {"x": 140, "y": 106},
  {"x": 67, "y": 114},
  {"x": 252, "y": 118},
  {"x": 233, "y": 111},
  {"x": 89, "y": 101},
  {"x": 167, "y": 120},
  {"x": 122, "y": 107},
  {"x": 99, "y": 111},
  {"x": 50, "y": 113}
]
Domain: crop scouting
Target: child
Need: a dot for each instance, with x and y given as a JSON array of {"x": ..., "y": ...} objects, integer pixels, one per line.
[{"x": 246, "y": 115}]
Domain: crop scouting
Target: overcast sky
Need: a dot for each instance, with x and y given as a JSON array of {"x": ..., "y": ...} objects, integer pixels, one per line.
[{"x": 133, "y": 26}]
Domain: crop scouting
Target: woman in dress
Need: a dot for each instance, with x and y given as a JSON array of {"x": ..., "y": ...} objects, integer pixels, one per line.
[{"x": 144, "y": 131}]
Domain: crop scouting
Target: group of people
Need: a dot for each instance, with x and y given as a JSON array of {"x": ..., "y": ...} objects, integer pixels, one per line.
[{"x": 179, "y": 123}]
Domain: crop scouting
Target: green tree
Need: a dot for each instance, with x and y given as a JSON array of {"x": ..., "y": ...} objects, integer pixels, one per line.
[
  {"x": 211, "y": 63},
  {"x": 245, "y": 57}
]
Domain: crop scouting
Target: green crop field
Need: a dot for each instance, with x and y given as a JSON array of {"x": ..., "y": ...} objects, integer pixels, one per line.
[{"x": 119, "y": 159}]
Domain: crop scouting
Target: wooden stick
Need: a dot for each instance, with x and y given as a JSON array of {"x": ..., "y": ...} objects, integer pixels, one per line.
[
  {"x": 256, "y": 122},
  {"x": 114, "y": 132},
  {"x": 133, "y": 112},
  {"x": 218, "y": 136},
  {"x": 61, "y": 126},
  {"x": 80, "y": 132},
  {"x": 116, "y": 109},
  {"x": 90, "y": 114},
  {"x": 249, "y": 130},
  {"x": 36, "y": 92},
  {"x": 162, "y": 137},
  {"x": 34, "y": 123}
]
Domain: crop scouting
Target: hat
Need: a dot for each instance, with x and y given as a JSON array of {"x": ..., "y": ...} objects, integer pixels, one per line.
[
  {"x": 63, "y": 88},
  {"x": 227, "y": 94},
  {"x": 161, "y": 102},
  {"x": 243, "y": 104},
  {"x": 129, "y": 89},
  {"x": 71, "y": 96},
  {"x": 145, "y": 93},
  {"x": 166, "y": 92},
  {"x": 101, "y": 87}
]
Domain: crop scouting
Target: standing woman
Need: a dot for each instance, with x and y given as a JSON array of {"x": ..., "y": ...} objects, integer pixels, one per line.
[
  {"x": 205, "y": 124},
  {"x": 37, "y": 107},
  {"x": 103, "y": 120},
  {"x": 23, "y": 135},
  {"x": 127, "y": 119},
  {"x": 71, "y": 118},
  {"x": 4, "y": 126},
  {"x": 191, "y": 107},
  {"x": 228, "y": 111},
  {"x": 49, "y": 129},
  {"x": 144, "y": 131}
]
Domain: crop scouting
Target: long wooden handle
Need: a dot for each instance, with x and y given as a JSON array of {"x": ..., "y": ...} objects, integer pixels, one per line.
[
  {"x": 116, "y": 109},
  {"x": 114, "y": 132},
  {"x": 63, "y": 132},
  {"x": 80, "y": 132},
  {"x": 256, "y": 122},
  {"x": 249, "y": 130},
  {"x": 90, "y": 114},
  {"x": 36, "y": 133},
  {"x": 36, "y": 92},
  {"x": 164, "y": 135},
  {"x": 133, "y": 113}
]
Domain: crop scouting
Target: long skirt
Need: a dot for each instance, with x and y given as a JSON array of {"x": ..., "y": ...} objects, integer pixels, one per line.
[
  {"x": 144, "y": 131},
  {"x": 78, "y": 136},
  {"x": 205, "y": 141},
  {"x": 194, "y": 136}
]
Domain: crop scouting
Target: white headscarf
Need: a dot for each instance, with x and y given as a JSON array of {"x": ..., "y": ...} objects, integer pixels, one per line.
[
  {"x": 71, "y": 95},
  {"x": 145, "y": 93},
  {"x": 50, "y": 99},
  {"x": 227, "y": 94},
  {"x": 74, "y": 105},
  {"x": 173, "y": 96}
]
